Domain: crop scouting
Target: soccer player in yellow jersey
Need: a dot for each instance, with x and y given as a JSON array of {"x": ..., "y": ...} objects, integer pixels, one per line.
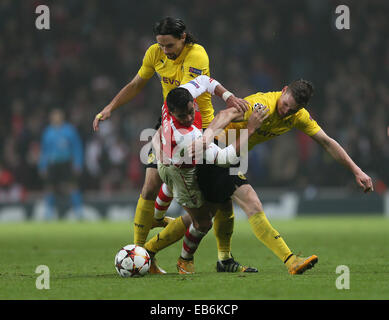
[
  {"x": 286, "y": 110},
  {"x": 177, "y": 59}
]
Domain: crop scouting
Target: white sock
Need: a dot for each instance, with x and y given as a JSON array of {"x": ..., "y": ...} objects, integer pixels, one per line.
[
  {"x": 162, "y": 203},
  {"x": 191, "y": 242}
]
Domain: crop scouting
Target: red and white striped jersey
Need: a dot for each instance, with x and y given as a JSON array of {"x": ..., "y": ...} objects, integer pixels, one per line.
[{"x": 176, "y": 137}]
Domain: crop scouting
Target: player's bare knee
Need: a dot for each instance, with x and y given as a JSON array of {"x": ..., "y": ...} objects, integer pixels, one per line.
[
  {"x": 196, "y": 224},
  {"x": 187, "y": 220},
  {"x": 202, "y": 224},
  {"x": 253, "y": 207},
  {"x": 151, "y": 188},
  {"x": 151, "y": 185},
  {"x": 248, "y": 200},
  {"x": 150, "y": 191}
]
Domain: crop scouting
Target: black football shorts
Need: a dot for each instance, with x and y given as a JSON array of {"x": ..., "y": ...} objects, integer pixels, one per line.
[{"x": 217, "y": 184}]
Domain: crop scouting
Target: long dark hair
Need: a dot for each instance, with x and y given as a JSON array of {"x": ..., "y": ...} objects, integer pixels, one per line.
[{"x": 174, "y": 27}]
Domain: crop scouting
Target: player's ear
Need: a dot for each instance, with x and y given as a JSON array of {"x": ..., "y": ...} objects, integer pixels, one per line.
[
  {"x": 183, "y": 36},
  {"x": 284, "y": 89}
]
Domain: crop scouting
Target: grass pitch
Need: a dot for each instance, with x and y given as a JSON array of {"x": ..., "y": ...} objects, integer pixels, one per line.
[{"x": 80, "y": 257}]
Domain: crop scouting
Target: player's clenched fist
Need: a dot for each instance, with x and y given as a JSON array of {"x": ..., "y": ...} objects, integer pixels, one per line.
[
  {"x": 103, "y": 115},
  {"x": 237, "y": 103},
  {"x": 364, "y": 181},
  {"x": 257, "y": 117}
]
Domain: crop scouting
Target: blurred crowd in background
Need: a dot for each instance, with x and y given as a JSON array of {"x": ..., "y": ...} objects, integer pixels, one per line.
[{"x": 94, "y": 48}]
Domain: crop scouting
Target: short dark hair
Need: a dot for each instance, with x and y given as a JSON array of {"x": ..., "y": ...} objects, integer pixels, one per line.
[
  {"x": 178, "y": 99},
  {"x": 174, "y": 27},
  {"x": 302, "y": 91}
]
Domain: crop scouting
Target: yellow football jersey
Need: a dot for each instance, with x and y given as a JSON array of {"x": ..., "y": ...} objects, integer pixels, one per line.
[
  {"x": 274, "y": 126},
  {"x": 192, "y": 62}
]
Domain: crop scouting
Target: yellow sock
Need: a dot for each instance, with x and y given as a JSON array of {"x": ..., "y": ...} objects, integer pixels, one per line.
[
  {"x": 291, "y": 259},
  {"x": 269, "y": 236},
  {"x": 173, "y": 232},
  {"x": 144, "y": 215},
  {"x": 223, "y": 226}
]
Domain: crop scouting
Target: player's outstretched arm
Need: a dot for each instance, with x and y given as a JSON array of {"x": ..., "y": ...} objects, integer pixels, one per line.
[
  {"x": 222, "y": 119},
  {"x": 239, "y": 104},
  {"x": 340, "y": 155},
  {"x": 125, "y": 95},
  {"x": 204, "y": 83}
]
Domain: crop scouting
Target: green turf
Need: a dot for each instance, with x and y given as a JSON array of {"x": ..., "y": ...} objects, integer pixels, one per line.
[{"x": 80, "y": 257}]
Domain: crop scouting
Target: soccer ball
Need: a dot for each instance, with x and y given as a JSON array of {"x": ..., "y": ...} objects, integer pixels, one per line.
[{"x": 132, "y": 261}]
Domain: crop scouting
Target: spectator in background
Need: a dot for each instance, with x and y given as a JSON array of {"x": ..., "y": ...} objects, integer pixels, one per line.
[
  {"x": 10, "y": 191},
  {"x": 60, "y": 163},
  {"x": 296, "y": 39}
]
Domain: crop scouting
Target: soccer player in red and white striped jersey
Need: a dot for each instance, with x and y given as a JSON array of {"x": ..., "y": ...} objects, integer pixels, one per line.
[{"x": 181, "y": 125}]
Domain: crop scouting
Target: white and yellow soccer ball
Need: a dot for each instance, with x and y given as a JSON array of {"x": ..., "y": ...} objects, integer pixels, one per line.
[{"x": 132, "y": 261}]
